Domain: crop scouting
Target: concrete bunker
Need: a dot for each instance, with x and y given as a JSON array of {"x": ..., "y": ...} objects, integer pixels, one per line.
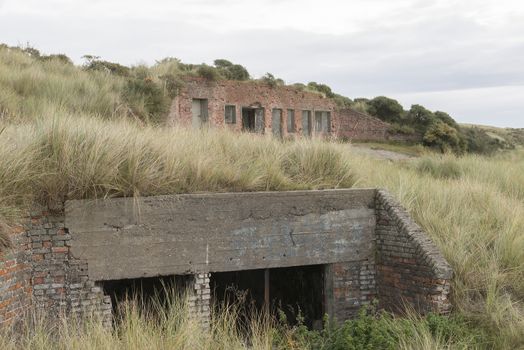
[{"x": 351, "y": 245}]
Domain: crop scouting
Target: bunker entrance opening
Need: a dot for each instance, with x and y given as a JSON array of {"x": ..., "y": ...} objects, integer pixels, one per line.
[
  {"x": 296, "y": 291},
  {"x": 149, "y": 292}
]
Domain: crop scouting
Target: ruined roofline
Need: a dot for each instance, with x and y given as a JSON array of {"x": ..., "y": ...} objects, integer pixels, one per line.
[
  {"x": 341, "y": 111},
  {"x": 234, "y": 83},
  {"x": 317, "y": 94}
]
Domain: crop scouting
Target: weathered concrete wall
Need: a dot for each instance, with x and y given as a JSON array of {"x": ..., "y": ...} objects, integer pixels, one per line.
[
  {"x": 246, "y": 94},
  {"x": 183, "y": 234},
  {"x": 410, "y": 268},
  {"x": 368, "y": 244}
]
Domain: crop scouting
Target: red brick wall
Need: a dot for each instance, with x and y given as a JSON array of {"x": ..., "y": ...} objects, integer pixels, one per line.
[
  {"x": 345, "y": 123},
  {"x": 358, "y": 126},
  {"x": 410, "y": 270},
  {"x": 15, "y": 278},
  {"x": 61, "y": 282},
  {"x": 245, "y": 94},
  {"x": 39, "y": 272}
]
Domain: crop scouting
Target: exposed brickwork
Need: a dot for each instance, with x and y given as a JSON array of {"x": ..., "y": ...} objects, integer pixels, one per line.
[
  {"x": 15, "y": 275},
  {"x": 248, "y": 94},
  {"x": 60, "y": 282},
  {"x": 199, "y": 302},
  {"x": 410, "y": 268},
  {"x": 357, "y": 126},
  {"x": 353, "y": 287},
  {"x": 39, "y": 272},
  {"x": 344, "y": 123}
]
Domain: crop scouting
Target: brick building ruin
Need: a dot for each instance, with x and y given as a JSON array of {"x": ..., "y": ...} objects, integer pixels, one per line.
[
  {"x": 283, "y": 111},
  {"x": 327, "y": 252}
]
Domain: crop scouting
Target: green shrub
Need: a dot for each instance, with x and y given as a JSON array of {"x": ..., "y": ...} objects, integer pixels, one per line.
[
  {"x": 299, "y": 86},
  {"x": 343, "y": 101},
  {"x": 478, "y": 141},
  {"x": 443, "y": 137},
  {"x": 94, "y": 63},
  {"x": 401, "y": 129},
  {"x": 370, "y": 330},
  {"x": 208, "y": 72},
  {"x": 322, "y": 88},
  {"x": 446, "y": 118},
  {"x": 386, "y": 109},
  {"x": 231, "y": 71},
  {"x": 381, "y": 330},
  {"x": 360, "y": 106},
  {"x": 271, "y": 80},
  {"x": 454, "y": 329}
]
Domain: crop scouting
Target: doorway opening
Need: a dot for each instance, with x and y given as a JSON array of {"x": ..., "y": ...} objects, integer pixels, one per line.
[
  {"x": 296, "y": 292},
  {"x": 149, "y": 292},
  {"x": 306, "y": 123},
  {"x": 276, "y": 123},
  {"x": 199, "y": 112},
  {"x": 253, "y": 119}
]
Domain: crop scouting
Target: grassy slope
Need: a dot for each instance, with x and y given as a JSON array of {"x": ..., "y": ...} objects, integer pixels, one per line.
[
  {"x": 473, "y": 207},
  {"x": 511, "y": 135},
  {"x": 30, "y": 89},
  {"x": 63, "y": 136}
]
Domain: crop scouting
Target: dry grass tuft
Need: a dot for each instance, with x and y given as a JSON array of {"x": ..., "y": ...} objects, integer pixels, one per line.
[{"x": 54, "y": 159}]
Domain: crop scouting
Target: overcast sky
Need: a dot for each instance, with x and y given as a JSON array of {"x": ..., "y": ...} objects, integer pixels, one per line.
[{"x": 465, "y": 57}]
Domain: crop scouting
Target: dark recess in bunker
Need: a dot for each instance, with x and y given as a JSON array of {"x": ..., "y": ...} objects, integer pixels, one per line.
[
  {"x": 297, "y": 291},
  {"x": 147, "y": 291}
]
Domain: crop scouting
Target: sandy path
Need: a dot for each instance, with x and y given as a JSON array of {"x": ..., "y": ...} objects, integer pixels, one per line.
[{"x": 379, "y": 153}]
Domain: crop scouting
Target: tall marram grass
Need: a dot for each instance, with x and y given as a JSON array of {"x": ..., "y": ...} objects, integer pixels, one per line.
[
  {"x": 85, "y": 157},
  {"x": 30, "y": 88},
  {"x": 476, "y": 216},
  {"x": 155, "y": 326},
  {"x": 166, "y": 323},
  {"x": 473, "y": 208}
]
